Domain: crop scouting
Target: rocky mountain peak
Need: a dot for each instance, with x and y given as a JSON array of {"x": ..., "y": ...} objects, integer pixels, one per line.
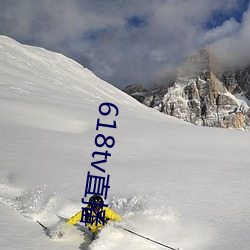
[
  {"x": 197, "y": 64},
  {"x": 200, "y": 96}
]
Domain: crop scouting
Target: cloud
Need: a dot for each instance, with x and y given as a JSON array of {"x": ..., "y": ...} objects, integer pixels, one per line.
[
  {"x": 233, "y": 49},
  {"x": 121, "y": 41},
  {"x": 228, "y": 28}
]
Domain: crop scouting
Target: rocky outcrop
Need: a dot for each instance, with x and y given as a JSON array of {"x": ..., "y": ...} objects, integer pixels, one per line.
[
  {"x": 201, "y": 97},
  {"x": 137, "y": 91},
  {"x": 237, "y": 81}
]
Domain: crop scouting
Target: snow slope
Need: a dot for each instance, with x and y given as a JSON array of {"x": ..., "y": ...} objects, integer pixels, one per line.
[{"x": 176, "y": 183}]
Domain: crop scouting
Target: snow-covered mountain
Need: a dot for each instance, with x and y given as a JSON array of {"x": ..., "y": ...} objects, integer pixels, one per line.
[
  {"x": 201, "y": 96},
  {"x": 237, "y": 81},
  {"x": 182, "y": 185}
]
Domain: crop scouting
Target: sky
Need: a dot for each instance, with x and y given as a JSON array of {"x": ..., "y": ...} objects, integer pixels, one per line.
[{"x": 132, "y": 41}]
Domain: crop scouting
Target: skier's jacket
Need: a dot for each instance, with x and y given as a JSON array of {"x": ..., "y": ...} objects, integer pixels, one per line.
[{"x": 109, "y": 215}]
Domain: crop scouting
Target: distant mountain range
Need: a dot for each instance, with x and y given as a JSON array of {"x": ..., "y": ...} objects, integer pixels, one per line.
[{"x": 201, "y": 94}]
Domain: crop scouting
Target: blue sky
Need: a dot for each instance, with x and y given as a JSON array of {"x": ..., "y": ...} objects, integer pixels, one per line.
[
  {"x": 218, "y": 17},
  {"x": 131, "y": 41}
]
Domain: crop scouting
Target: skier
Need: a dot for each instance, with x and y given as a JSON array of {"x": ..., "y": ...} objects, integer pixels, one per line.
[{"x": 92, "y": 215}]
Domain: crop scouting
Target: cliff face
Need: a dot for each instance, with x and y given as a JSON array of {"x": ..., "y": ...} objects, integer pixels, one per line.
[
  {"x": 237, "y": 81},
  {"x": 201, "y": 97}
]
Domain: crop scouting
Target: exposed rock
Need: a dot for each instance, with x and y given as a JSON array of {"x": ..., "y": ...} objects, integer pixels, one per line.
[
  {"x": 198, "y": 96},
  {"x": 133, "y": 88},
  {"x": 237, "y": 81},
  {"x": 137, "y": 91}
]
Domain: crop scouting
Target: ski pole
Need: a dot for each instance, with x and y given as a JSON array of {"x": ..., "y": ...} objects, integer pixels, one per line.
[
  {"x": 45, "y": 228},
  {"x": 149, "y": 239}
]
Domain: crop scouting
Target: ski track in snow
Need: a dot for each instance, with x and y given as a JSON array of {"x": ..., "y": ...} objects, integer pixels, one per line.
[{"x": 143, "y": 214}]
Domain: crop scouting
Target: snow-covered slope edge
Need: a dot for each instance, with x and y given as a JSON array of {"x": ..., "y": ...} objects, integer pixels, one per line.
[
  {"x": 179, "y": 184},
  {"x": 35, "y": 74},
  {"x": 48, "y": 112}
]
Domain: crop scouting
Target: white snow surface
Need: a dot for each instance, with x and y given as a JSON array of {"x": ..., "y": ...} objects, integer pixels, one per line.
[{"x": 182, "y": 185}]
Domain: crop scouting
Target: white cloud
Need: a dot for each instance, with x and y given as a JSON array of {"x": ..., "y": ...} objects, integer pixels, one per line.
[
  {"x": 233, "y": 50},
  {"x": 97, "y": 32},
  {"x": 228, "y": 28}
]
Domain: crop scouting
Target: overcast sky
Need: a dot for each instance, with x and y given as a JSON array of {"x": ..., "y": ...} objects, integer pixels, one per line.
[{"x": 131, "y": 41}]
